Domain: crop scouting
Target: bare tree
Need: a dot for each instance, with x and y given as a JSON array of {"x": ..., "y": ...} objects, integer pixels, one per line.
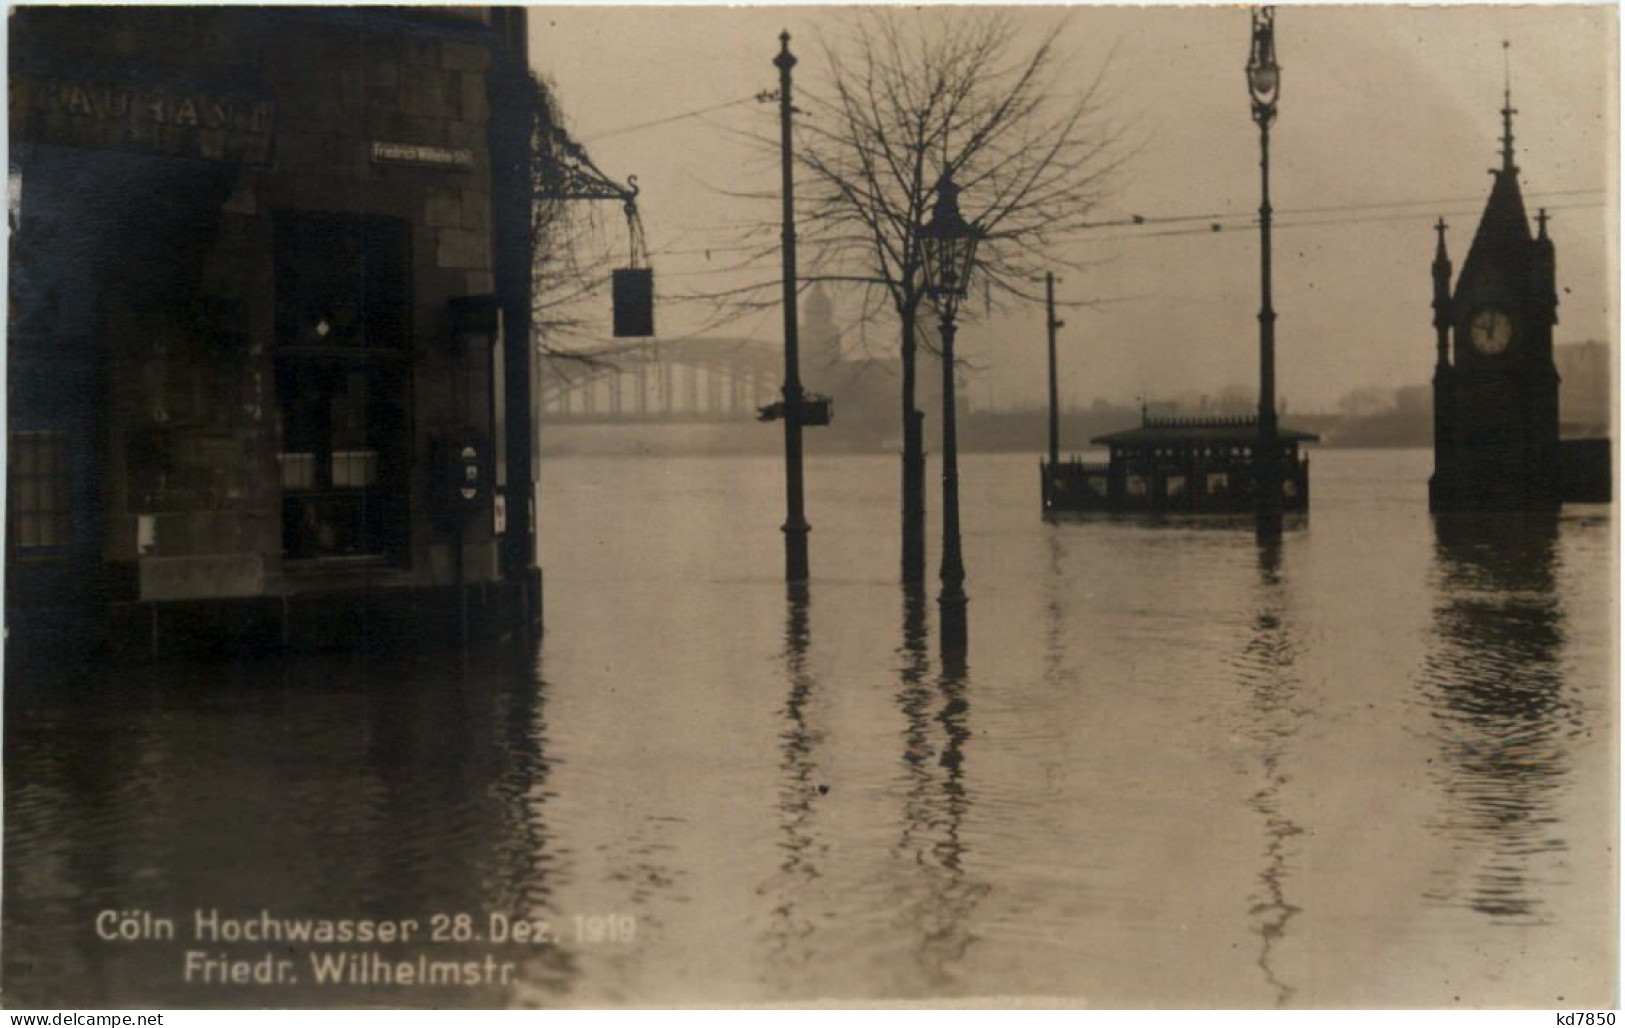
[{"x": 910, "y": 97}]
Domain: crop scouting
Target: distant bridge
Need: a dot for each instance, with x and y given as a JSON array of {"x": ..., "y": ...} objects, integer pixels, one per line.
[{"x": 708, "y": 379}]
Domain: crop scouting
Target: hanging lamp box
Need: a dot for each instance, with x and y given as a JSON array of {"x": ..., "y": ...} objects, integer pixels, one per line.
[{"x": 633, "y": 294}]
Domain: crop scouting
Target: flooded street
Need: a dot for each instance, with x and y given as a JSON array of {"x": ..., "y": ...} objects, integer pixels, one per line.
[{"x": 1371, "y": 767}]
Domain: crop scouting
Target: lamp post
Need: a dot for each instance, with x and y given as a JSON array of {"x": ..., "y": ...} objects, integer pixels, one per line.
[
  {"x": 1264, "y": 85},
  {"x": 948, "y": 245},
  {"x": 795, "y": 521},
  {"x": 1052, "y": 324}
]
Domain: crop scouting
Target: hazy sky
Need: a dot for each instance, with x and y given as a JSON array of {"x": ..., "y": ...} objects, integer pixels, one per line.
[{"x": 1389, "y": 117}]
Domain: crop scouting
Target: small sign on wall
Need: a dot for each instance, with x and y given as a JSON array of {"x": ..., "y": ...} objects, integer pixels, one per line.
[{"x": 424, "y": 156}]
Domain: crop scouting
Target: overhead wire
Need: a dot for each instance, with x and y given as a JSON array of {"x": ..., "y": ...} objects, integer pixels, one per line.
[
  {"x": 1226, "y": 221},
  {"x": 697, "y": 112},
  {"x": 1238, "y": 222}
]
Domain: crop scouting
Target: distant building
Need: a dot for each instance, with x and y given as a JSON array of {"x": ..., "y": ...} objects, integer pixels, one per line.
[
  {"x": 819, "y": 338},
  {"x": 1586, "y": 398},
  {"x": 867, "y": 391},
  {"x": 269, "y": 320}
]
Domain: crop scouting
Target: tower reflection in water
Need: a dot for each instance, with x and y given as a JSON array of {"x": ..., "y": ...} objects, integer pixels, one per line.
[{"x": 1494, "y": 685}]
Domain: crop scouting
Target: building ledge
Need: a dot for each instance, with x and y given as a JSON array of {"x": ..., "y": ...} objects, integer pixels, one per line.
[{"x": 323, "y": 574}]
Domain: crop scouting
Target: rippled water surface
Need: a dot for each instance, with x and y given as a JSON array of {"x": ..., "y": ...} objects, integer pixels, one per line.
[{"x": 1371, "y": 766}]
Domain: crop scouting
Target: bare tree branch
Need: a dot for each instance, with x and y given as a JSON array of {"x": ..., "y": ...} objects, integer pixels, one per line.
[{"x": 911, "y": 96}]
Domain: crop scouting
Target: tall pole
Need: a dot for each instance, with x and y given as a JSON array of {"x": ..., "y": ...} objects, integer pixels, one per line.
[
  {"x": 951, "y": 602},
  {"x": 1264, "y": 83},
  {"x": 1269, "y": 500},
  {"x": 795, "y": 521},
  {"x": 513, "y": 100},
  {"x": 913, "y": 463},
  {"x": 1054, "y": 388}
]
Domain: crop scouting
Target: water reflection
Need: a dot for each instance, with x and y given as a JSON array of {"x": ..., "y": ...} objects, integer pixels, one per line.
[
  {"x": 1494, "y": 686},
  {"x": 1105, "y": 804},
  {"x": 793, "y": 915},
  {"x": 938, "y": 910},
  {"x": 914, "y": 702},
  {"x": 1274, "y": 711},
  {"x": 529, "y": 864},
  {"x": 1058, "y": 667},
  {"x": 314, "y": 787}
]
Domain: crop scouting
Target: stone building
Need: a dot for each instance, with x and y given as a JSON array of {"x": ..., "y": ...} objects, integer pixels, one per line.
[{"x": 269, "y": 362}]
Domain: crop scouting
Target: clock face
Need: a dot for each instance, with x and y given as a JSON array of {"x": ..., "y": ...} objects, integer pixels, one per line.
[{"x": 1491, "y": 331}]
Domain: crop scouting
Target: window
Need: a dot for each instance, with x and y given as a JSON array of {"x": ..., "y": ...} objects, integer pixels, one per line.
[
  {"x": 342, "y": 302},
  {"x": 40, "y": 484},
  {"x": 342, "y": 281},
  {"x": 14, "y": 197}
]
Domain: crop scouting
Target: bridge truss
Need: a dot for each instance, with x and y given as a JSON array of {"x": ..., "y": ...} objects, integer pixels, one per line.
[{"x": 713, "y": 379}]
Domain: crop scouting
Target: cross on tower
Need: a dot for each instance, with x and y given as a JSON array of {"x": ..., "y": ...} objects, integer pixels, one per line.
[{"x": 1507, "y": 111}]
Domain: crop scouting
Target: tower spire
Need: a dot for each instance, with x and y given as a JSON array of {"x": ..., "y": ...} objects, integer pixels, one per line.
[
  {"x": 1442, "y": 310},
  {"x": 1507, "y": 110}
]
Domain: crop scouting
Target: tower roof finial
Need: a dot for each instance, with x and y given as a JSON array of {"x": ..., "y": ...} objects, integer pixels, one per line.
[{"x": 1507, "y": 110}]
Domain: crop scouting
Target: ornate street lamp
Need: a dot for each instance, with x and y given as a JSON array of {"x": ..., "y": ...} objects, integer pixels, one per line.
[
  {"x": 948, "y": 244},
  {"x": 1264, "y": 84}
]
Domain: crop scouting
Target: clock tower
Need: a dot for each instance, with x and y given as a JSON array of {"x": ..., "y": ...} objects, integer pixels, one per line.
[{"x": 1495, "y": 441}]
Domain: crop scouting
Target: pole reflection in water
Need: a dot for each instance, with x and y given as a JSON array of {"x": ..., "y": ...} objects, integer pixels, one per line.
[
  {"x": 939, "y": 898},
  {"x": 914, "y": 701},
  {"x": 1274, "y": 709},
  {"x": 1494, "y": 684},
  {"x": 1059, "y": 669},
  {"x": 792, "y": 921}
]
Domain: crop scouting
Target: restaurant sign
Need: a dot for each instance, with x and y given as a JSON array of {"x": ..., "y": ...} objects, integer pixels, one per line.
[{"x": 140, "y": 118}]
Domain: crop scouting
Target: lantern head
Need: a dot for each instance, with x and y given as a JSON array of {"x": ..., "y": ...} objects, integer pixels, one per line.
[
  {"x": 1263, "y": 72},
  {"x": 948, "y": 247}
]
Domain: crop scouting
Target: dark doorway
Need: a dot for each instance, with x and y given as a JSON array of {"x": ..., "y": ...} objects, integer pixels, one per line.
[{"x": 343, "y": 288}]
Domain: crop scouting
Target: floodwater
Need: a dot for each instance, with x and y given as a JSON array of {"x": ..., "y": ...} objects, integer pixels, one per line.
[{"x": 1372, "y": 766}]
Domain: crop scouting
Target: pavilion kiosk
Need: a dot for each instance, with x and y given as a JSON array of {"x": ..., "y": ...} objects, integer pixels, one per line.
[{"x": 1178, "y": 465}]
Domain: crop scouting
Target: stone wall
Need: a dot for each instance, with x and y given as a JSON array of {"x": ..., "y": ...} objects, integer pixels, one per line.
[{"x": 186, "y": 292}]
